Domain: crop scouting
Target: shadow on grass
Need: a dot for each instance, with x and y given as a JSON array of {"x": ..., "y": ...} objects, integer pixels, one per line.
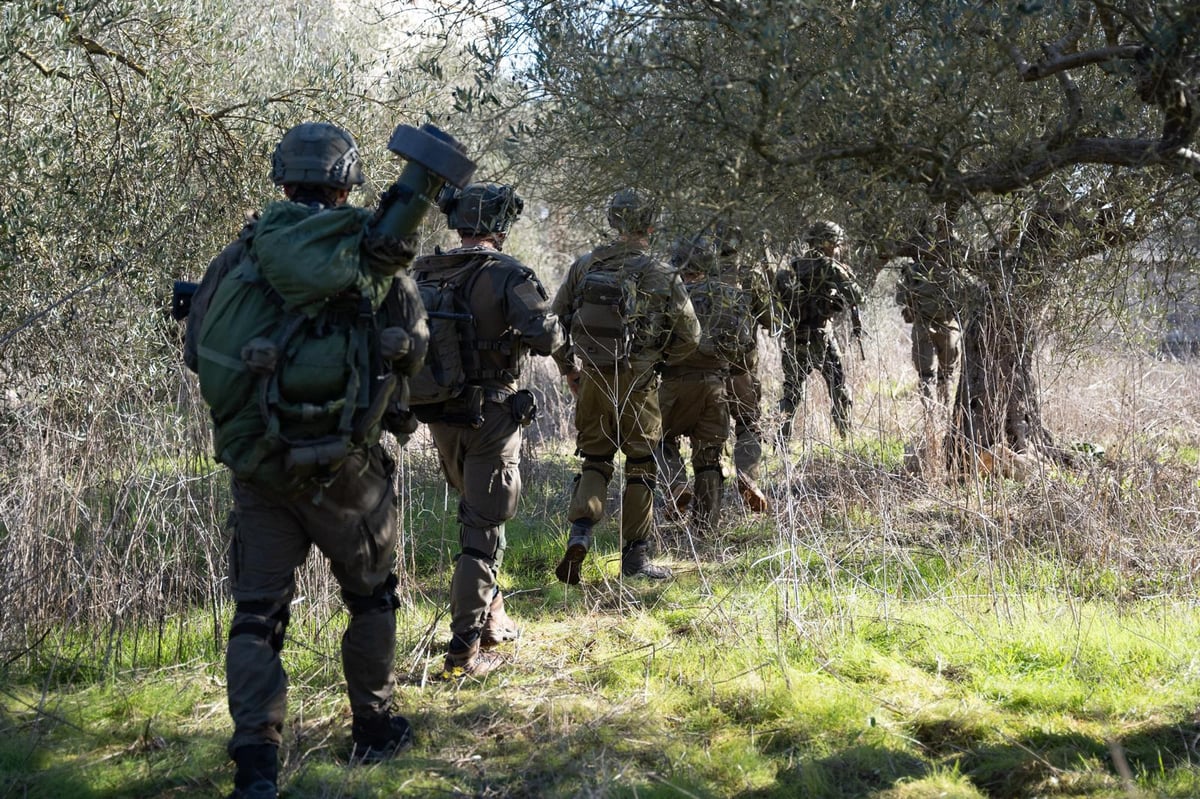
[
  {"x": 1026, "y": 766},
  {"x": 857, "y": 771}
]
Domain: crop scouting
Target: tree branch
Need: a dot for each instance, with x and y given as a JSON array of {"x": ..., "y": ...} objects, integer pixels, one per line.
[{"x": 1061, "y": 63}]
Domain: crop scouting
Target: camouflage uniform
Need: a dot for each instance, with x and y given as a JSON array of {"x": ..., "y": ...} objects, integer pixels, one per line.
[
  {"x": 811, "y": 290},
  {"x": 692, "y": 394},
  {"x": 348, "y": 512},
  {"x": 618, "y": 407},
  {"x": 480, "y": 454}
]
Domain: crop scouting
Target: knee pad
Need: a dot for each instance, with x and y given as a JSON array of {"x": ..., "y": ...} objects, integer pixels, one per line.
[
  {"x": 382, "y": 600},
  {"x": 263, "y": 619}
]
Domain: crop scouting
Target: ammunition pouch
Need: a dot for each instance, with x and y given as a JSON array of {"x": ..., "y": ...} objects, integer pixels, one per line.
[{"x": 524, "y": 407}]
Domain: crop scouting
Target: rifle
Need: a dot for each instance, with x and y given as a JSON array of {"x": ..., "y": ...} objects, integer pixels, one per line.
[
  {"x": 181, "y": 298},
  {"x": 856, "y": 330}
]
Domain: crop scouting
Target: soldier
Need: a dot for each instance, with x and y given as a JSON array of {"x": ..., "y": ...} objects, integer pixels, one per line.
[
  {"x": 692, "y": 393},
  {"x": 478, "y": 433},
  {"x": 743, "y": 388},
  {"x": 289, "y": 497},
  {"x": 626, "y": 315},
  {"x": 811, "y": 290},
  {"x": 926, "y": 294}
]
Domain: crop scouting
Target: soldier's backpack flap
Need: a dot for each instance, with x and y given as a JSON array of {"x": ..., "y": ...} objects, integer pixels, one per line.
[{"x": 310, "y": 254}]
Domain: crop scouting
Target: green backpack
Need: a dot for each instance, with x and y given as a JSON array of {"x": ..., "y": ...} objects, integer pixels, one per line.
[
  {"x": 614, "y": 317},
  {"x": 289, "y": 349},
  {"x": 724, "y": 312}
]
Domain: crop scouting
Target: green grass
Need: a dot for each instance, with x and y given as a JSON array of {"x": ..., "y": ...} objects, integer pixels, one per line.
[
  {"x": 658, "y": 691},
  {"x": 827, "y": 653}
]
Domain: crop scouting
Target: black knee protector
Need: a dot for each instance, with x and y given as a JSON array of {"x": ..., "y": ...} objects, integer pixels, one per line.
[
  {"x": 382, "y": 600},
  {"x": 262, "y": 618}
]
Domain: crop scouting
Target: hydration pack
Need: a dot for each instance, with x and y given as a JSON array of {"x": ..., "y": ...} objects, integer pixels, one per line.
[{"x": 613, "y": 318}]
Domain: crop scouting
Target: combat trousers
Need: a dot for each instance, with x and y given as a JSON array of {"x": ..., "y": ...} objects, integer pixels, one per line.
[
  {"x": 744, "y": 391},
  {"x": 695, "y": 406},
  {"x": 935, "y": 354},
  {"x": 804, "y": 351},
  {"x": 483, "y": 465},
  {"x": 354, "y": 526},
  {"x": 617, "y": 411}
]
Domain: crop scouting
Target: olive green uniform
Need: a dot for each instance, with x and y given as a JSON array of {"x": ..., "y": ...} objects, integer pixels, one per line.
[
  {"x": 743, "y": 387},
  {"x": 350, "y": 518},
  {"x": 694, "y": 404},
  {"x": 477, "y": 435},
  {"x": 936, "y": 336},
  {"x": 812, "y": 290},
  {"x": 617, "y": 407}
]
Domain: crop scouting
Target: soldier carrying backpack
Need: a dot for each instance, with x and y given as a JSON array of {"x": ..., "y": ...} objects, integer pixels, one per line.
[
  {"x": 626, "y": 315},
  {"x": 303, "y": 333},
  {"x": 693, "y": 391},
  {"x": 744, "y": 388},
  {"x": 931, "y": 293},
  {"x": 488, "y": 312},
  {"x": 812, "y": 290}
]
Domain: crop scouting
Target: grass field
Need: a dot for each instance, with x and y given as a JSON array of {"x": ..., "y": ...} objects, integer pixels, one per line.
[{"x": 879, "y": 634}]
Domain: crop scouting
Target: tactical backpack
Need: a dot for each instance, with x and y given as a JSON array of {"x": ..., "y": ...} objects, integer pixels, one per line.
[
  {"x": 452, "y": 361},
  {"x": 612, "y": 314},
  {"x": 726, "y": 329},
  {"x": 814, "y": 290},
  {"x": 930, "y": 290},
  {"x": 290, "y": 361}
]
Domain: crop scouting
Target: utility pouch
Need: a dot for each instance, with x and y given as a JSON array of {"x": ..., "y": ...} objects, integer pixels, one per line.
[
  {"x": 464, "y": 410},
  {"x": 524, "y": 407},
  {"x": 473, "y": 400}
]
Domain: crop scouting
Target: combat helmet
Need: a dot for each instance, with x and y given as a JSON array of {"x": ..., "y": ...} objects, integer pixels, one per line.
[
  {"x": 317, "y": 153},
  {"x": 728, "y": 238},
  {"x": 630, "y": 211},
  {"x": 693, "y": 254},
  {"x": 481, "y": 209},
  {"x": 825, "y": 231}
]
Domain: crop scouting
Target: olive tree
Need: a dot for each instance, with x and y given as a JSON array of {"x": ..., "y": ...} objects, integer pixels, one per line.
[
  {"x": 1053, "y": 134},
  {"x": 136, "y": 136}
]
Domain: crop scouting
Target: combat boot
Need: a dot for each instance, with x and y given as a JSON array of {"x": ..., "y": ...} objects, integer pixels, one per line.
[
  {"x": 681, "y": 500},
  {"x": 465, "y": 658},
  {"x": 706, "y": 510},
  {"x": 257, "y": 772},
  {"x": 499, "y": 627},
  {"x": 635, "y": 562},
  {"x": 377, "y": 738},
  {"x": 752, "y": 495},
  {"x": 578, "y": 543}
]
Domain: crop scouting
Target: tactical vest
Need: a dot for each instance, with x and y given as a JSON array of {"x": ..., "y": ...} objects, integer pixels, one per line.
[{"x": 446, "y": 282}]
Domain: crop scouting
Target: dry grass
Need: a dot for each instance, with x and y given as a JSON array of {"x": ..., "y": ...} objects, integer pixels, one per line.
[{"x": 112, "y": 556}]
